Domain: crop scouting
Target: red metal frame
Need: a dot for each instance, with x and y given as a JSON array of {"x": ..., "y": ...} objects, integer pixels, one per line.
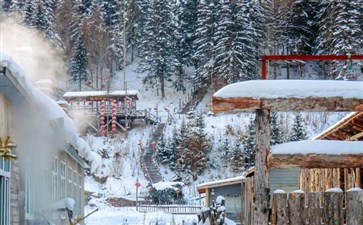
[{"x": 304, "y": 58}]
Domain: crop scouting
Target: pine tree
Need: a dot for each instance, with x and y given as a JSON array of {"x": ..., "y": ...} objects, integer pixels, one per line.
[
  {"x": 249, "y": 143},
  {"x": 237, "y": 35},
  {"x": 158, "y": 57},
  {"x": 224, "y": 151},
  {"x": 344, "y": 18},
  {"x": 8, "y": 6},
  {"x": 205, "y": 43},
  {"x": 237, "y": 159},
  {"x": 78, "y": 63},
  {"x": 110, "y": 11},
  {"x": 162, "y": 152},
  {"x": 184, "y": 37},
  {"x": 298, "y": 132},
  {"x": 302, "y": 29},
  {"x": 30, "y": 7},
  {"x": 276, "y": 136}
]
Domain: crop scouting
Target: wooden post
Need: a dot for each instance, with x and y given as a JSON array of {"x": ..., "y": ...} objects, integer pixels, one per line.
[
  {"x": 297, "y": 212},
  {"x": 260, "y": 181},
  {"x": 314, "y": 212},
  {"x": 279, "y": 209},
  {"x": 333, "y": 207},
  {"x": 354, "y": 206}
]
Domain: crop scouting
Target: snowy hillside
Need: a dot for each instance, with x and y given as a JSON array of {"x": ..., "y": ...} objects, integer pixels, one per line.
[{"x": 121, "y": 155}]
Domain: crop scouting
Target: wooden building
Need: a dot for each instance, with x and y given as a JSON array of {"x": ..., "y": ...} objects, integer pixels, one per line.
[
  {"x": 50, "y": 157},
  {"x": 262, "y": 97},
  {"x": 350, "y": 128},
  {"x": 107, "y": 111}
]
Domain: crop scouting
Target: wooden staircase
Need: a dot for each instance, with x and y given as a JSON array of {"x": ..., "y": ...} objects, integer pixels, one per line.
[{"x": 148, "y": 162}]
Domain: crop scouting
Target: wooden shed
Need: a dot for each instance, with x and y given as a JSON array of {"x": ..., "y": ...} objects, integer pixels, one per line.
[{"x": 106, "y": 111}]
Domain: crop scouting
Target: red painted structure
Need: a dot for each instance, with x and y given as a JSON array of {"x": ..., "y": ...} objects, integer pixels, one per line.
[{"x": 303, "y": 58}]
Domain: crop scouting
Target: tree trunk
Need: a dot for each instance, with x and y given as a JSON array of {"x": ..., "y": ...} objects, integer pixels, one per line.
[{"x": 260, "y": 181}]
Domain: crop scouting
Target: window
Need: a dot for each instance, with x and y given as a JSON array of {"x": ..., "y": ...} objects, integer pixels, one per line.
[
  {"x": 70, "y": 185},
  {"x": 80, "y": 197},
  {"x": 4, "y": 192},
  {"x": 75, "y": 192},
  {"x": 63, "y": 184},
  {"x": 54, "y": 179},
  {"x": 62, "y": 180}
]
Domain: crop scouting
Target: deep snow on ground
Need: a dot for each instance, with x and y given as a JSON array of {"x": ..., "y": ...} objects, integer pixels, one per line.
[{"x": 129, "y": 215}]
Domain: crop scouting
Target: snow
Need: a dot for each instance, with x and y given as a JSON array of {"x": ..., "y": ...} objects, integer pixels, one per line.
[
  {"x": 292, "y": 88},
  {"x": 220, "y": 199},
  {"x": 334, "y": 190},
  {"x": 298, "y": 192},
  {"x": 165, "y": 185},
  {"x": 221, "y": 182},
  {"x": 355, "y": 189},
  {"x": 66, "y": 203},
  {"x": 319, "y": 147},
  {"x": 279, "y": 191},
  {"x": 129, "y": 215},
  {"x": 75, "y": 94},
  {"x": 52, "y": 109}
]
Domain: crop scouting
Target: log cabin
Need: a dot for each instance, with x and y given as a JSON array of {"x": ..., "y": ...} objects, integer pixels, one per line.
[{"x": 48, "y": 160}]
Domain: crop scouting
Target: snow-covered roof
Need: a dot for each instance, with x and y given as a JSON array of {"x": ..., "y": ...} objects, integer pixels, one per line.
[
  {"x": 49, "y": 106},
  {"x": 84, "y": 94},
  {"x": 292, "y": 88},
  {"x": 347, "y": 127},
  {"x": 228, "y": 181},
  {"x": 319, "y": 147},
  {"x": 224, "y": 182},
  {"x": 290, "y": 95}
]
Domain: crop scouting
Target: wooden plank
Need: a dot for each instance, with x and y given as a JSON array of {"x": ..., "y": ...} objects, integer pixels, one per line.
[
  {"x": 333, "y": 207},
  {"x": 279, "y": 209},
  {"x": 248, "y": 104},
  {"x": 260, "y": 180},
  {"x": 313, "y": 211},
  {"x": 296, "y": 205},
  {"x": 354, "y": 207},
  {"x": 315, "y": 160}
]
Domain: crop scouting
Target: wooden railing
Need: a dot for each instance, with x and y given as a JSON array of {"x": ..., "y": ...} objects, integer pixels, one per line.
[
  {"x": 120, "y": 110},
  {"x": 328, "y": 208},
  {"x": 173, "y": 209}
]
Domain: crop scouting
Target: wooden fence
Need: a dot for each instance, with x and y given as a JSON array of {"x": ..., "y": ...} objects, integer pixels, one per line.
[
  {"x": 333, "y": 207},
  {"x": 173, "y": 209}
]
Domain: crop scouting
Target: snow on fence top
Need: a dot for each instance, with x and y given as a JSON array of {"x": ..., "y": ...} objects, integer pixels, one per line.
[
  {"x": 290, "y": 95},
  {"x": 317, "y": 154},
  {"x": 52, "y": 110}
]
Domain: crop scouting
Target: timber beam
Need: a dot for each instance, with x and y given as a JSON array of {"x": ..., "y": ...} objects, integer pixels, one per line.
[
  {"x": 315, "y": 160},
  {"x": 311, "y": 104}
]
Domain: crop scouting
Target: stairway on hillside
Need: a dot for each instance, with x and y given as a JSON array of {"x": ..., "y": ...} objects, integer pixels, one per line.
[
  {"x": 193, "y": 101},
  {"x": 148, "y": 164}
]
